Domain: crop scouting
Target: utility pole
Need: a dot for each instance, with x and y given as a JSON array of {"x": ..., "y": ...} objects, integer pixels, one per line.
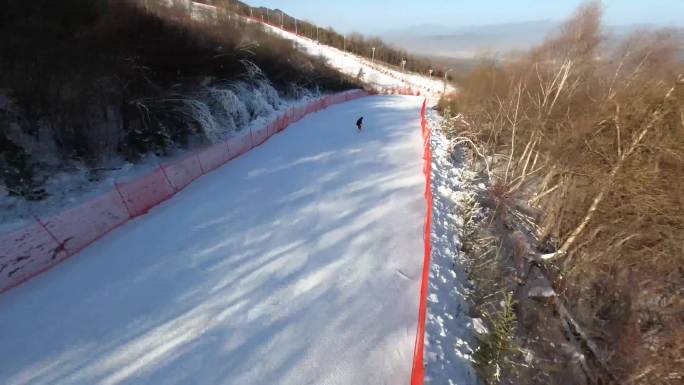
[
  {"x": 344, "y": 43},
  {"x": 317, "y": 39},
  {"x": 373, "y": 57},
  {"x": 430, "y": 71},
  {"x": 282, "y": 19},
  {"x": 403, "y": 65},
  {"x": 296, "y": 29},
  {"x": 251, "y": 13}
]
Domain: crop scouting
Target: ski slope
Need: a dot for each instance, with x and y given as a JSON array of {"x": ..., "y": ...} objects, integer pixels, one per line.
[
  {"x": 376, "y": 75},
  {"x": 297, "y": 263}
]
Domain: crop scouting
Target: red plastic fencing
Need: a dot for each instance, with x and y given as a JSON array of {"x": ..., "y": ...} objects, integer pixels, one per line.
[
  {"x": 183, "y": 172},
  {"x": 240, "y": 144},
  {"x": 36, "y": 248},
  {"x": 214, "y": 156},
  {"x": 418, "y": 370},
  {"x": 78, "y": 227},
  {"x": 27, "y": 252},
  {"x": 140, "y": 195},
  {"x": 261, "y": 134}
]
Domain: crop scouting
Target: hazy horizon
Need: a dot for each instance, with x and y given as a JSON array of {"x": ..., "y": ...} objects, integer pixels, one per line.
[{"x": 380, "y": 18}]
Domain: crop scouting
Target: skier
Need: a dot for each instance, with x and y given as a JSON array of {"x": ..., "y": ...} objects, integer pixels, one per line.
[{"x": 359, "y": 123}]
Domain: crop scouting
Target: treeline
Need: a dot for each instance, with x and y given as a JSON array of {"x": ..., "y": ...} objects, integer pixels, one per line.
[
  {"x": 355, "y": 43},
  {"x": 84, "y": 76},
  {"x": 584, "y": 151}
]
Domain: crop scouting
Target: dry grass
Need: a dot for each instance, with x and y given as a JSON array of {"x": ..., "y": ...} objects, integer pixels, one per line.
[{"x": 595, "y": 141}]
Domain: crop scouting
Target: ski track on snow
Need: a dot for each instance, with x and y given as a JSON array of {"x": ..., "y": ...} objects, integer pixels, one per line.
[{"x": 297, "y": 263}]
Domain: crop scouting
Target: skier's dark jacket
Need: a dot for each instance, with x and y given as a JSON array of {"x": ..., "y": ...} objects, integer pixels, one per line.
[{"x": 359, "y": 122}]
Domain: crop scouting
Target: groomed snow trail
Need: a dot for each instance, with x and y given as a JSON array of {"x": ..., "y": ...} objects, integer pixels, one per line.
[
  {"x": 352, "y": 65},
  {"x": 297, "y": 263}
]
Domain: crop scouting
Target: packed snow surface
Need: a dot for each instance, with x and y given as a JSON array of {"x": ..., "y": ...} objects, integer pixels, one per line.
[
  {"x": 297, "y": 263},
  {"x": 374, "y": 74}
]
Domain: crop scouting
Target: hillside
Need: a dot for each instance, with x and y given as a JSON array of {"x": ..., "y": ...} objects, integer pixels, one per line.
[
  {"x": 575, "y": 238},
  {"x": 208, "y": 192},
  {"x": 95, "y": 89},
  {"x": 368, "y": 47}
]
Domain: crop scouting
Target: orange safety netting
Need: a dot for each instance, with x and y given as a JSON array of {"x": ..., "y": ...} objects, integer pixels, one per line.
[
  {"x": 418, "y": 370},
  {"x": 29, "y": 251}
]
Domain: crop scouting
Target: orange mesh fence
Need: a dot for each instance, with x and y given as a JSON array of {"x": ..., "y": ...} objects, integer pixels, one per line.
[
  {"x": 418, "y": 370},
  {"x": 37, "y": 247}
]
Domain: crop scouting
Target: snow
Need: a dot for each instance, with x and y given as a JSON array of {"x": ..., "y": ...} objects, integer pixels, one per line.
[
  {"x": 449, "y": 340},
  {"x": 479, "y": 326},
  {"x": 220, "y": 109},
  {"x": 201, "y": 11},
  {"x": 378, "y": 76},
  {"x": 297, "y": 263}
]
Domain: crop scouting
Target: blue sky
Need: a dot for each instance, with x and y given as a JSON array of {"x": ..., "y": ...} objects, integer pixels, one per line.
[{"x": 377, "y": 16}]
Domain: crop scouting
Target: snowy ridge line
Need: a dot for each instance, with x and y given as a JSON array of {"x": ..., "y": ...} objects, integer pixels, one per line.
[
  {"x": 34, "y": 249},
  {"x": 417, "y": 82},
  {"x": 410, "y": 81},
  {"x": 379, "y": 68},
  {"x": 418, "y": 368}
]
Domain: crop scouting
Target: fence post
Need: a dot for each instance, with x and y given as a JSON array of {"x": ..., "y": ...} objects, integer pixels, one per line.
[
  {"x": 251, "y": 137},
  {"x": 128, "y": 209},
  {"x": 54, "y": 238},
  {"x": 227, "y": 152},
  {"x": 200, "y": 163},
  {"x": 163, "y": 170}
]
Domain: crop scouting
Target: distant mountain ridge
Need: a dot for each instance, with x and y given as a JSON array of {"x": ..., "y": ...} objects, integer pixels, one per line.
[{"x": 468, "y": 41}]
